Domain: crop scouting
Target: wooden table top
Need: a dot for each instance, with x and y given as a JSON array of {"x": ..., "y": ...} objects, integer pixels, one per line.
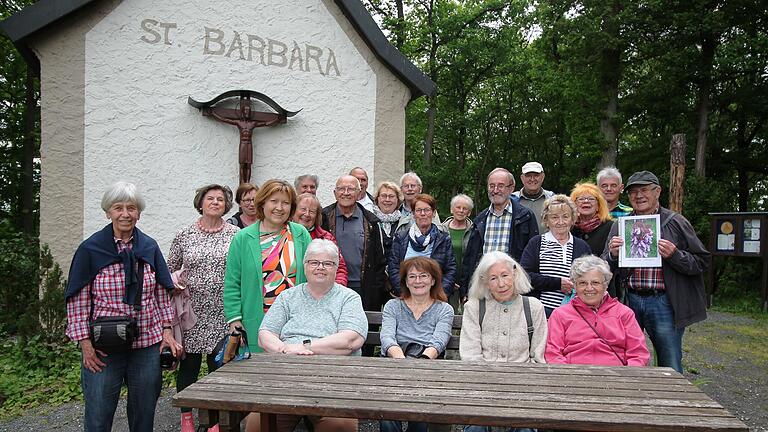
[{"x": 573, "y": 397}]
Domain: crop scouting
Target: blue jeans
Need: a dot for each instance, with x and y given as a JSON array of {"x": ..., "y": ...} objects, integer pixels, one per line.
[
  {"x": 397, "y": 426},
  {"x": 488, "y": 429},
  {"x": 139, "y": 369},
  {"x": 655, "y": 316}
]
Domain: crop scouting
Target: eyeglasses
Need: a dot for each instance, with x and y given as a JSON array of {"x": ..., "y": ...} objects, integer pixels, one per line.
[
  {"x": 248, "y": 201},
  {"x": 498, "y": 186},
  {"x": 323, "y": 264},
  {"x": 419, "y": 277},
  {"x": 495, "y": 280},
  {"x": 642, "y": 190},
  {"x": 422, "y": 210},
  {"x": 346, "y": 189},
  {"x": 584, "y": 284},
  {"x": 409, "y": 186},
  {"x": 586, "y": 199},
  {"x": 387, "y": 196}
]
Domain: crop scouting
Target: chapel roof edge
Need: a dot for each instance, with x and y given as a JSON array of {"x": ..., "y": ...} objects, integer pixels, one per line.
[{"x": 34, "y": 18}]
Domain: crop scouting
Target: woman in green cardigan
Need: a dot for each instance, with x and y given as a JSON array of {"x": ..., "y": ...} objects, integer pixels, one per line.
[{"x": 264, "y": 259}]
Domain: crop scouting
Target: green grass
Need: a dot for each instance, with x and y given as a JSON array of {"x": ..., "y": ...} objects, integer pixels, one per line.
[{"x": 37, "y": 373}]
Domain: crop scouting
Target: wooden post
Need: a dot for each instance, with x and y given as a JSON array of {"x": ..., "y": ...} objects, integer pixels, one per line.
[{"x": 676, "y": 172}]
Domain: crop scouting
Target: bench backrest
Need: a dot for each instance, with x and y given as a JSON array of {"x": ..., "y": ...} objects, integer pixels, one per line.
[{"x": 374, "y": 337}]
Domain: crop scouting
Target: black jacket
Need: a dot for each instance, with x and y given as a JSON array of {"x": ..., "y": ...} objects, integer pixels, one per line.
[
  {"x": 373, "y": 292},
  {"x": 524, "y": 226},
  {"x": 595, "y": 239}
]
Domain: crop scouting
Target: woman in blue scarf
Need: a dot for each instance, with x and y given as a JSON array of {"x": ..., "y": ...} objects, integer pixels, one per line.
[{"x": 423, "y": 239}]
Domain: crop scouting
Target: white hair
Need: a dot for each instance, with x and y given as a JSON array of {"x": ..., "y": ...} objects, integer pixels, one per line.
[
  {"x": 586, "y": 264},
  {"x": 318, "y": 246},
  {"x": 301, "y": 178},
  {"x": 478, "y": 287},
  {"x": 122, "y": 192},
  {"x": 609, "y": 171},
  {"x": 412, "y": 175},
  {"x": 465, "y": 198},
  {"x": 504, "y": 170}
]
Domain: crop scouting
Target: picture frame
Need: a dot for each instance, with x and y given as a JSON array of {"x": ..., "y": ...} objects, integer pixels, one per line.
[{"x": 641, "y": 235}]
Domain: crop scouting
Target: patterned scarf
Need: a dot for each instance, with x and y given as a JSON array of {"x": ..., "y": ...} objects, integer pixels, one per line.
[
  {"x": 589, "y": 225},
  {"x": 419, "y": 241},
  {"x": 388, "y": 221},
  {"x": 389, "y": 217}
]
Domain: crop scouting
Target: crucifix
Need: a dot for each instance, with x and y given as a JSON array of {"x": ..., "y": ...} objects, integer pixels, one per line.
[{"x": 245, "y": 119}]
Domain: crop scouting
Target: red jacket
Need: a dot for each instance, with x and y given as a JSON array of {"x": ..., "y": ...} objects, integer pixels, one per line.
[
  {"x": 571, "y": 341},
  {"x": 341, "y": 272}
]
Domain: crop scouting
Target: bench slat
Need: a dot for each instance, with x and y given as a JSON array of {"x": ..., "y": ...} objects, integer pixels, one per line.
[{"x": 374, "y": 336}]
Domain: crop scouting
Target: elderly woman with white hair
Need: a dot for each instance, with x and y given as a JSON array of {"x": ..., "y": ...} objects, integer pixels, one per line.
[
  {"x": 500, "y": 323},
  {"x": 595, "y": 328},
  {"x": 316, "y": 317},
  {"x": 494, "y": 327},
  {"x": 547, "y": 257},
  {"x": 459, "y": 226},
  {"x": 119, "y": 312}
]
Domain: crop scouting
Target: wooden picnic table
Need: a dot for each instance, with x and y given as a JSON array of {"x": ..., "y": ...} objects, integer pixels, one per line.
[{"x": 572, "y": 397}]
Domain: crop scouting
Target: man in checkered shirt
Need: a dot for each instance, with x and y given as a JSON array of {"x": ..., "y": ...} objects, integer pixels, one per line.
[
  {"x": 504, "y": 226},
  {"x": 669, "y": 298}
]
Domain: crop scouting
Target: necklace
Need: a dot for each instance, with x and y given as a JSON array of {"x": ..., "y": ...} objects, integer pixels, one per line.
[{"x": 214, "y": 230}]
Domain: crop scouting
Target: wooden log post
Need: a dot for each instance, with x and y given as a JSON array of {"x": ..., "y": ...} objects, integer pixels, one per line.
[{"x": 676, "y": 172}]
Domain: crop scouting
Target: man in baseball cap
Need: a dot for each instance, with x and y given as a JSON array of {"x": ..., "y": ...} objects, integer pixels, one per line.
[
  {"x": 532, "y": 195},
  {"x": 669, "y": 298}
]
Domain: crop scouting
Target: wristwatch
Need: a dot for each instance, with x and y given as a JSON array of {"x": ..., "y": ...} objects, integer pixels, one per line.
[{"x": 307, "y": 343}]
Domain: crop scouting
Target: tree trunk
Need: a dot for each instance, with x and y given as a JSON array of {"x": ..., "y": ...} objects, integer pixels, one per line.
[
  {"x": 610, "y": 77},
  {"x": 432, "y": 100},
  {"x": 430, "y": 129},
  {"x": 460, "y": 142},
  {"x": 28, "y": 156},
  {"x": 400, "y": 28},
  {"x": 708, "y": 46},
  {"x": 742, "y": 145},
  {"x": 676, "y": 172}
]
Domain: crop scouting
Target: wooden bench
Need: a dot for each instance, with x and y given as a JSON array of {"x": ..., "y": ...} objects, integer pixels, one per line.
[{"x": 374, "y": 336}]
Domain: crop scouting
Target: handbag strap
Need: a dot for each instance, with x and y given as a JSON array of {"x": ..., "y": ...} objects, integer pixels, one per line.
[
  {"x": 245, "y": 340},
  {"x": 528, "y": 322},
  {"x": 623, "y": 361}
]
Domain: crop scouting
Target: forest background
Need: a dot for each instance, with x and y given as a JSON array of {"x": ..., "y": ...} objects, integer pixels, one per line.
[{"x": 575, "y": 85}]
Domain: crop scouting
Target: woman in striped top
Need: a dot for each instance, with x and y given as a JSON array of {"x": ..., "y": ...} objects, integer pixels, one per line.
[{"x": 547, "y": 258}]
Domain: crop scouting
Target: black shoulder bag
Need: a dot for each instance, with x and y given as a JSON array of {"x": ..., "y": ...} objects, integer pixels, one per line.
[{"x": 115, "y": 334}]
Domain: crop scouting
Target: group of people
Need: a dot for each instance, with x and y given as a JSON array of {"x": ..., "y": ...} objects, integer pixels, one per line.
[{"x": 535, "y": 275}]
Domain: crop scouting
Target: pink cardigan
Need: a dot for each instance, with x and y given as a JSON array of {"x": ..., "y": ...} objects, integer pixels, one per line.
[
  {"x": 571, "y": 341},
  {"x": 185, "y": 317}
]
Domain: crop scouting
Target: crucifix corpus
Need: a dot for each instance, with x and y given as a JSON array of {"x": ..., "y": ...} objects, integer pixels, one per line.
[{"x": 245, "y": 119}]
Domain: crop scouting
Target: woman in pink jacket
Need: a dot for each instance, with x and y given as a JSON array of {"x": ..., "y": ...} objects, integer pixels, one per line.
[{"x": 594, "y": 328}]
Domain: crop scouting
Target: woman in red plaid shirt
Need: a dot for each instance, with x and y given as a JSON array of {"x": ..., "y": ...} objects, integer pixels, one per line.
[{"x": 120, "y": 271}]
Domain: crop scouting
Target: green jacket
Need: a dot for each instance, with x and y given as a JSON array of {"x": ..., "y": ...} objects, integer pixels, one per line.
[{"x": 244, "y": 270}]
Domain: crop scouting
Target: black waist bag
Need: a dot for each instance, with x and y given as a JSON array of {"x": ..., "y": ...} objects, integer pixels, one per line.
[{"x": 113, "y": 334}]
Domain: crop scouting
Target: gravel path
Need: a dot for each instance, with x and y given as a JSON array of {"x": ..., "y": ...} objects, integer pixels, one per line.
[{"x": 726, "y": 356}]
